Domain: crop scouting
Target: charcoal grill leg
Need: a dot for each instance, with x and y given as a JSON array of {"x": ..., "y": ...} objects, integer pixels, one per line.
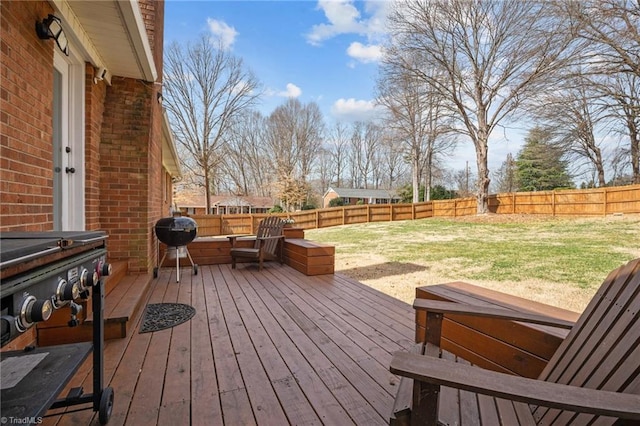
[{"x": 177, "y": 264}]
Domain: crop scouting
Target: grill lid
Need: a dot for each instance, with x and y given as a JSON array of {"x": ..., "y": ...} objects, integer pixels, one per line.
[
  {"x": 23, "y": 246},
  {"x": 176, "y": 231}
]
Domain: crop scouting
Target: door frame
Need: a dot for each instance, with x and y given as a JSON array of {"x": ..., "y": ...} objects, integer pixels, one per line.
[{"x": 69, "y": 198}]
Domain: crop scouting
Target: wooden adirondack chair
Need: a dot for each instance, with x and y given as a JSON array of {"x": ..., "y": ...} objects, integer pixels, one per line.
[
  {"x": 268, "y": 243},
  {"x": 592, "y": 378}
]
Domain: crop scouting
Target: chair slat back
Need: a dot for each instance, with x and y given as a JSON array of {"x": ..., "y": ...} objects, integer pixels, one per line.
[
  {"x": 602, "y": 349},
  {"x": 269, "y": 227}
]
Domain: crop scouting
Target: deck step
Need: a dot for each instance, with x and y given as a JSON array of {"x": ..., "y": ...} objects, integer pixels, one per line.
[
  {"x": 119, "y": 269},
  {"x": 125, "y": 299},
  {"x": 123, "y": 305}
]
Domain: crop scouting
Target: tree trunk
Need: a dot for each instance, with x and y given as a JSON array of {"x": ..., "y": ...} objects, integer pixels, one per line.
[
  {"x": 600, "y": 168},
  {"x": 415, "y": 175},
  {"x": 634, "y": 137},
  {"x": 427, "y": 179},
  {"x": 482, "y": 195},
  {"x": 207, "y": 190}
]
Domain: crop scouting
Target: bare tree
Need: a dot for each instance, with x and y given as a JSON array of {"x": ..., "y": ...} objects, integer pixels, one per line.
[
  {"x": 294, "y": 136},
  {"x": 246, "y": 162},
  {"x": 392, "y": 161},
  {"x": 505, "y": 178},
  {"x": 417, "y": 115},
  {"x": 365, "y": 142},
  {"x": 612, "y": 28},
  {"x": 325, "y": 171},
  {"x": 623, "y": 91},
  {"x": 338, "y": 145},
  {"x": 493, "y": 56},
  {"x": 205, "y": 87},
  {"x": 573, "y": 114}
]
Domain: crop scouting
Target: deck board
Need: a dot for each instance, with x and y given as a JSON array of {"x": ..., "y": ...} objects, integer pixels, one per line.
[{"x": 271, "y": 347}]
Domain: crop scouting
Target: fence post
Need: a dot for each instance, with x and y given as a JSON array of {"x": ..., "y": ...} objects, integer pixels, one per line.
[
  {"x": 390, "y": 212},
  {"x": 553, "y": 203},
  {"x": 513, "y": 204},
  {"x": 413, "y": 211},
  {"x": 344, "y": 214},
  {"x": 368, "y": 213},
  {"x": 317, "y": 219},
  {"x": 604, "y": 201}
]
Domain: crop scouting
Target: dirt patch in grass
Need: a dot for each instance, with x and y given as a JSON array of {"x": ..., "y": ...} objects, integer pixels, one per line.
[{"x": 557, "y": 261}]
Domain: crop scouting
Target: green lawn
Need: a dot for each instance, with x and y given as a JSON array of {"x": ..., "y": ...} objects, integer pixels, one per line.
[{"x": 577, "y": 251}]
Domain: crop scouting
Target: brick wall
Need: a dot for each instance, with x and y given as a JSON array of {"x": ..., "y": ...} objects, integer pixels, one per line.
[
  {"x": 131, "y": 174},
  {"x": 26, "y": 97},
  {"x": 124, "y": 168},
  {"x": 94, "y": 109},
  {"x": 123, "y": 139}
]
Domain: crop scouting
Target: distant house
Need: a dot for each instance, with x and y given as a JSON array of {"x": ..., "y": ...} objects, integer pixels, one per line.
[
  {"x": 364, "y": 196},
  {"x": 222, "y": 204}
]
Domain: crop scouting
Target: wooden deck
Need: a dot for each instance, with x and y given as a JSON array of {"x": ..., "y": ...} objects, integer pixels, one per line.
[{"x": 269, "y": 348}]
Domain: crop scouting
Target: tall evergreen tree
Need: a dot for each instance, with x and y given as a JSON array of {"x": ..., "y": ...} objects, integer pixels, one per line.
[{"x": 540, "y": 166}]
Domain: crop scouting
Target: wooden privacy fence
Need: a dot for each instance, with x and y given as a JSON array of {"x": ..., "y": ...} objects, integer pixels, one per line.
[{"x": 587, "y": 202}]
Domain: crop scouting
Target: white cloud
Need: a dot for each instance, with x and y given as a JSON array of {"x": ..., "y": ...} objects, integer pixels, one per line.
[
  {"x": 343, "y": 18},
  {"x": 223, "y": 32},
  {"x": 292, "y": 91},
  {"x": 355, "y": 110},
  {"x": 365, "y": 54}
]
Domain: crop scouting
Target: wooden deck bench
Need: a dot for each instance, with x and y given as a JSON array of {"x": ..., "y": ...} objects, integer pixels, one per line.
[
  {"x": 309, "y": 257},
  {"x": 594, "y": 371}
]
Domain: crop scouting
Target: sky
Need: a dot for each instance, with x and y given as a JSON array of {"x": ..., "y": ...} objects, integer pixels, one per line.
[{"x": 316, "y": 51}]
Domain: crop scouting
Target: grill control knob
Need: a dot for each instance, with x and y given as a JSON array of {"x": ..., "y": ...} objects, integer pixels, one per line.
[
  {"x": 32, "y": 311},
  {"x": 87, "y": 280},
  {"x": 105, "y": 269},
  {"x": 65, "y": 293}
]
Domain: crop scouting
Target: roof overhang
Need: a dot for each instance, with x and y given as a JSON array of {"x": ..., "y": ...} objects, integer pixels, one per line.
[
  {"x": 111, "y": 35},
  {"x": 170, "y": 159}
]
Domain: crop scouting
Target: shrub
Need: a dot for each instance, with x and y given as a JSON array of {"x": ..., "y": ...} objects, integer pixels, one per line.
[
  {"x": 276, "y": 209},
  {"x": 335, "y": 202}
]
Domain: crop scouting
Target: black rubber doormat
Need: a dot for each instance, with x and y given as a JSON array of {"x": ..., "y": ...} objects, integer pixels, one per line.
[{"x": 160, "y": 316}]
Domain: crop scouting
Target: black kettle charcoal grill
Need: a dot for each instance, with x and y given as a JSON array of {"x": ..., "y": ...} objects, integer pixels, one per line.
[{"x": 176, "y": 233}]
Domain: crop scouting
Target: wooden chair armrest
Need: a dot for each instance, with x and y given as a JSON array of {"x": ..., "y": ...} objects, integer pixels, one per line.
[
  {"x": 436, "y": 306},
  {"x": 537, "y": 392},
  {"x": 234, "y": 238}
]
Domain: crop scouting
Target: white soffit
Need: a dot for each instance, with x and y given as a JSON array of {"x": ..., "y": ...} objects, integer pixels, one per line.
[
  {"x": 111, "y": 34},
  {"x": 170, "y": 159}
]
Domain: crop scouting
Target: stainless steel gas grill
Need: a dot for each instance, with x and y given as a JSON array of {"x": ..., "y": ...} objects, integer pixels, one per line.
[{"x": 41, "y": 272}]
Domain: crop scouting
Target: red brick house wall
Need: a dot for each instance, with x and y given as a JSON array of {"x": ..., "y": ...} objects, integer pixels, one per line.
[
  {"x": 94, "y": 110},
  {"x": 26, "y": 98},
  {"x": 125, "y": 183},
  {"x": 131, "y": 188},
  {"x": 124, "y": 168}
]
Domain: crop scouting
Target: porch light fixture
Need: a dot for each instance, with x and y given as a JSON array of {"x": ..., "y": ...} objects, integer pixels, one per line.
[{"x": 51, "y": 27}]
